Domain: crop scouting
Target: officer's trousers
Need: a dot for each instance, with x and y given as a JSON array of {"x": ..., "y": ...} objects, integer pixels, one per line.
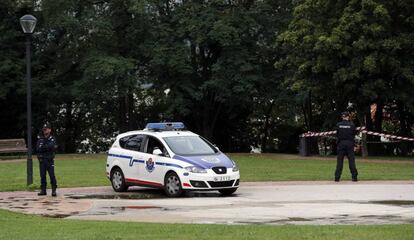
[
  {"x": 47, "y": 165},
  {"x": 345, "y": 148}
]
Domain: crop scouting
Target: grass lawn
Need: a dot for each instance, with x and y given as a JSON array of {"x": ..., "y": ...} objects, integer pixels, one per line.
[
  {"x": 20, "y": 226},
  {"x": 79, "y": 170},
  {"x": 277, "y": 167}
]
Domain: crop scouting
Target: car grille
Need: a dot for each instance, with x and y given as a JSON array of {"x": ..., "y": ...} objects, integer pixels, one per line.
[
  {"x": 198, "y": 184},
  {"x": 220, "y": 170},
  {"x": 237, "y": 182},
  {"x": 221, "y": 184}
]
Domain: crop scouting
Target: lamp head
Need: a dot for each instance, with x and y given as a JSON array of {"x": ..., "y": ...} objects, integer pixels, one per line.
[{"x": 28, "y": 23}]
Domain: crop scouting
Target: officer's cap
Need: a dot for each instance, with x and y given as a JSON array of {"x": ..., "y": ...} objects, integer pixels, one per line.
[{"x": 46, "y": 125}]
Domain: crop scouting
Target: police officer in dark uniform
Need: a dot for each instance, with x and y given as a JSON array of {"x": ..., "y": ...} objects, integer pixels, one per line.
[
  {"x": 46, "y": 147},
  {"x": 345, "y": 134}
]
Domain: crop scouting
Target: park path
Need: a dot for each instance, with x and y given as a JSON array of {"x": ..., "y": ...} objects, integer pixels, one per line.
[{"x": 320, "y": 202}]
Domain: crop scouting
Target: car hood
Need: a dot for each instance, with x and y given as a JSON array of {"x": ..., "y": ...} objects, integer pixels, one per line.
[{"x": 207, "y": 161}]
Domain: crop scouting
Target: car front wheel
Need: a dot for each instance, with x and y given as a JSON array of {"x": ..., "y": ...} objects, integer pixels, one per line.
[
  {"x": 172, "y": 185},
  {"x": 118, "y": 181}
]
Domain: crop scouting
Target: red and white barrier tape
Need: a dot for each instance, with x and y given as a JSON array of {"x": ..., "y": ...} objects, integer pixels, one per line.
[
  {"x": 319, "y": 134},
  {"x": 389, "y": 136},
  {"x": 362, "y": 129}
]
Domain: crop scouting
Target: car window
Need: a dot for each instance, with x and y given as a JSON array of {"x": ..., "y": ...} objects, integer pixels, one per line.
[
  {"x": 190, "y": 145},
  {"x": 154, "y": 143},
  {"x": 132, "y": 142}
]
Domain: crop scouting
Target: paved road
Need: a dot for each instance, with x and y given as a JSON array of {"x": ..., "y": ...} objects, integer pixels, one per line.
[{"x": 254, "y": 203}]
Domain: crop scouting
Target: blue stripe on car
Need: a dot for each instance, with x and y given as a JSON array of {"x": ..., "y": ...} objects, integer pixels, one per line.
[
  {"x": 131, "y": 160},
  {"x": 194, "y": 163},
  {"x": 223, "y": 161},
  {"x": 168, "y": 164},
  {"x": 135, "y": 161},
  {"x": 119, "y": 156}
]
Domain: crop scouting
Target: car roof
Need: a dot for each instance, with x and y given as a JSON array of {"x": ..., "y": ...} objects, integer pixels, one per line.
[{"x": 160, "y": 134}]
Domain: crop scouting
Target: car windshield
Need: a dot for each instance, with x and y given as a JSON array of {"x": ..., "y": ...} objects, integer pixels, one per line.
[{"x": 190, "y": 145}]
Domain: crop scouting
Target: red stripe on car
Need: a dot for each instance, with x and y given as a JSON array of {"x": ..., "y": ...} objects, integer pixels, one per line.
[{"x": 143, "y": 182}]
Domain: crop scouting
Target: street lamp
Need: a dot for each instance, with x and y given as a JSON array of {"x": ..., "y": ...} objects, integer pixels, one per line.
[{"x": 28, "y": 23}]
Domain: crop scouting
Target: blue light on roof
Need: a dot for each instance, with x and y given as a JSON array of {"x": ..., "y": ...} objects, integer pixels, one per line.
[{"x": 165, "y": 126}]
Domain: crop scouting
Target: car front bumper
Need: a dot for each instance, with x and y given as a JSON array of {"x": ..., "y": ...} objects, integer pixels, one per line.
[{"x": 210, "y": 180}]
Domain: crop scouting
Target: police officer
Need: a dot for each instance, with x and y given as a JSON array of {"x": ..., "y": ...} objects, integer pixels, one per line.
[
  {"x": 45, "y": 147},
  {"x": 345, "y": 134}
]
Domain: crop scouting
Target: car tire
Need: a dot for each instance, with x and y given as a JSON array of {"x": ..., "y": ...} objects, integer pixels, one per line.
[
  {"x": 172, "y": 185},
  {"x": 118, "y": 180},
  {"x": 227, "y": 191}
]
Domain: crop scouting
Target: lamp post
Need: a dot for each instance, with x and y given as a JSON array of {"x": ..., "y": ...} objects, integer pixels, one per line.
[{"x": 28, "y": 23}]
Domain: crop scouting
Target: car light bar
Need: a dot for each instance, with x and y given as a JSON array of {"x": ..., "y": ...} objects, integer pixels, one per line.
[{"x": 165, "y": 126}]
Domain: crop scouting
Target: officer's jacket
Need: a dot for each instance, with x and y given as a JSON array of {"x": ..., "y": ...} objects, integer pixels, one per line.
[
  {"x": 345, "y": 130},
  {"x": 46, "y": 147}
]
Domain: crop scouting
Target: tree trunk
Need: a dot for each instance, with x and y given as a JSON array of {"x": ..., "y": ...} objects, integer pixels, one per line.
[
  {"x": 207, "y": 130},
  {"x": 305, "y": 116},
  {"x": 310, "y": 119},
  {"x": 130, "y": 106},
  {"x": 313, "y": 142},
  {"x": 361, "y": 117},
  {"x": 68, "y": 144},
  {"x": 369, "y": 126},
  {"x": 122, "y": 121},
  {"x": 378, "y": 147},
  {"x": 364, "y": 146},
  {"x": 209, "y": 121},
  {"x": 375, "y": 147},
  {"x": 404, "y": 129},
  {"x": 266, "y": 127},
  {"x": 379, "y": 116}
]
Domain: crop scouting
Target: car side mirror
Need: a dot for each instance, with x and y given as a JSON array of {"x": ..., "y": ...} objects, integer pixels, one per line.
[{"x": 157, "y": 152}]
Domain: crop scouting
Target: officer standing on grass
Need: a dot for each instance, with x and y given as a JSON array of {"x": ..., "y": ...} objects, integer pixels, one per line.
[
  {"x": 46, "y": 147},
  {"x": 345, "y": 135}
]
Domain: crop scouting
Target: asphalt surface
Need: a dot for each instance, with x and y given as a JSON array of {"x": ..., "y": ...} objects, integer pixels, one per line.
[{"x": 314, "y": 203}]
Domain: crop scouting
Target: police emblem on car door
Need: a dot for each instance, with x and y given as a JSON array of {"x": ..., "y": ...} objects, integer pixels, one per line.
[
  {"x": 155, "y": 160},
  {"x": 150, "y": 164}
]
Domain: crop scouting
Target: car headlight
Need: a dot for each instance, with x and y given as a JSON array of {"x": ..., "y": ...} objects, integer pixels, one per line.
[
  {"x": 194, "y": 169},
  {"x": 235, "y": 168}
]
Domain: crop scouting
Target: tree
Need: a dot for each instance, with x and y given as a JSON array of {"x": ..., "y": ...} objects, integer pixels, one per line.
[
  {"x": 351, "y": 52},
  {"x": 12, "y": 71},
  {"x": 216, "y": 57}
]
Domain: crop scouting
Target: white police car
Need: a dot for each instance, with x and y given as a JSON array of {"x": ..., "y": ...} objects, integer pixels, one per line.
[{"x": 165, "y": 155}]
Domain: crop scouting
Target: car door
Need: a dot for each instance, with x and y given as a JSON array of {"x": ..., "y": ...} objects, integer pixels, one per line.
[
  {"x": 132, "y": 155},
  {"x": 155, "y": 166}
]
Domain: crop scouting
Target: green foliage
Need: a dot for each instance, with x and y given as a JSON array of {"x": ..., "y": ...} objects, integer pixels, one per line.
[
  {"x": 351, "y": 51},
  {"x": 104, "y": 67},
  {"x": 12, "y": 78}
]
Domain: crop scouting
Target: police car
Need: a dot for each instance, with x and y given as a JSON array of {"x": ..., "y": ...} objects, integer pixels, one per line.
[{"x": 167, "y": 156}]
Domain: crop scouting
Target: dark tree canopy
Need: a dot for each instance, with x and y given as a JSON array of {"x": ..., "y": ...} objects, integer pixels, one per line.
[{"x": 240, "y": 73}]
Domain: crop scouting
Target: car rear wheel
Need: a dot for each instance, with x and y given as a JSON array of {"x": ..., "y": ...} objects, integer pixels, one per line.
[
  {"x": 118, "y": 181},
  {"x": 227, "y": 191},
  {"x": 172, "y": 185}
]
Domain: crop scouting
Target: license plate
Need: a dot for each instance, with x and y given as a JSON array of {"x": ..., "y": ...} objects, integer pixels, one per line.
[{"x": 221, "y": 179}]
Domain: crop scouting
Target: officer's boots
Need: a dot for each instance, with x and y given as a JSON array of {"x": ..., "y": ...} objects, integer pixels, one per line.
[
  {"x": 42, "y": 193},
  {"x": 54, "y": 192}
]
